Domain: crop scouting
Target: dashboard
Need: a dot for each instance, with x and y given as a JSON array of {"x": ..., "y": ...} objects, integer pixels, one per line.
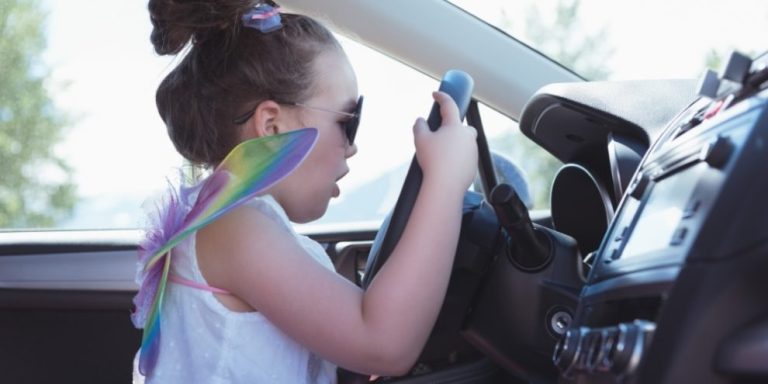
[{"x": 663, "y": 188}]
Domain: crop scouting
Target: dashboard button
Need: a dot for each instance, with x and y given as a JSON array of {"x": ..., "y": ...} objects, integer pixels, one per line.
[
  {"x": 678, "y": 236},
  {"x": 717, "y": 152},
  {"x": 690, "y": 124},
  {"x": 691, "y": 209},
  {"x": 622, "y": 234}
]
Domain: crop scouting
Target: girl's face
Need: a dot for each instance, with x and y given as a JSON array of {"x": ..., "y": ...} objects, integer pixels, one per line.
[{"x": 305, "y": 194}]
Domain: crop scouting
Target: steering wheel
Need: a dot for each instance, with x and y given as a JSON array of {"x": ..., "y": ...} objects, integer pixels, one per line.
[{"x": 458, "y": 85}]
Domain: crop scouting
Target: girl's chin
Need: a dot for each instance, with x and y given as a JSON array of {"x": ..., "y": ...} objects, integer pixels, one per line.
[{"x": 310, "y": 214}]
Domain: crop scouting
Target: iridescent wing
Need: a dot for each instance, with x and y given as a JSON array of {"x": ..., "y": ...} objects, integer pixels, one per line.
[{"x": 250, "y": 168}]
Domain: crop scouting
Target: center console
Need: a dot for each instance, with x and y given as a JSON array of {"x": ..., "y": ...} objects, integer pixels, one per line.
[{"x": 675, "y": 281}]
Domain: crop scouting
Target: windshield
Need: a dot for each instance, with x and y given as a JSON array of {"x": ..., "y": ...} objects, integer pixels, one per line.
[{"x": 620, "y": 40}]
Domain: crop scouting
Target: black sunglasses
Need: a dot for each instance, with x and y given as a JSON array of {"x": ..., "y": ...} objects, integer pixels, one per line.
[{"x": 350, "y": 125}]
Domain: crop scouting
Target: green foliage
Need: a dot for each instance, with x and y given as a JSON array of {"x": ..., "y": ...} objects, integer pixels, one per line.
[
  {"x": 562, "y": 39},
  {"x": 713, "y": 60},
  {"x": 36, "y": 189}
]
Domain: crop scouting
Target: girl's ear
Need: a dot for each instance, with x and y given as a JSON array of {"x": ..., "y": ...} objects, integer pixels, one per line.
[{"x": 265, "y": 121}]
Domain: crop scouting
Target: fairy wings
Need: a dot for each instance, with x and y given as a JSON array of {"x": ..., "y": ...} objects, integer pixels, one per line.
[{"x": 249, "y": 169}]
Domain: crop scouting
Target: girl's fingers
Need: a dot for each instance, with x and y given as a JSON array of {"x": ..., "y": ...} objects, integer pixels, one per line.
[{"x": 448, "y": 109}]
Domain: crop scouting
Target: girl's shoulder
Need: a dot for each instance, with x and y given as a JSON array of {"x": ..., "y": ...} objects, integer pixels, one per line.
[
  {"x": 260, "y": 218},
  {"x": 247, "y": 235},
  {"x": 269, "y": 207}
]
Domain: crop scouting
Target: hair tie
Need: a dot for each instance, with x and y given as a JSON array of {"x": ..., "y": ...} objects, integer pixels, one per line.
[{"x": 263, "y": 17}]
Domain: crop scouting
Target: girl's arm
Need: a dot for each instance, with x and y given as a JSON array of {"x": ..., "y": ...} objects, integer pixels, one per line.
[{"x": 378, "y": 331}]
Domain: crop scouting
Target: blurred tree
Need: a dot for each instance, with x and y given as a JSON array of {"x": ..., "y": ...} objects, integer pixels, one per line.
[
  {"x": 36, "y": 188},
  {"x": 564, "y": 39},
  {"x": 713, "y": 60},
  {"x": 561, "y": 38}
]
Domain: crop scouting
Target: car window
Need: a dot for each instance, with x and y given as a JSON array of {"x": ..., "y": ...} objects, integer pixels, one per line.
[
  {"x": 84, "y": 147},
  {"x": 90, "y": 147},
  {"x": 87, "y": 149},
  {"x": 395, "y": 95},
  {"x": 533, "y": 163}
]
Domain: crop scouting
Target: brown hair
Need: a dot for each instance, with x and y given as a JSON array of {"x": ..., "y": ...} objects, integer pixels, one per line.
[{"x": 228, "y": 68}]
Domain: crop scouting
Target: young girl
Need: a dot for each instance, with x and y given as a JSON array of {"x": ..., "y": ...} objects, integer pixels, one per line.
[{"x": 249, "y": 300}]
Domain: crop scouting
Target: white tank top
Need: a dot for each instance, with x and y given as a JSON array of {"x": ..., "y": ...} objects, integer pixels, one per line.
[{"x": 205, "y": 342}]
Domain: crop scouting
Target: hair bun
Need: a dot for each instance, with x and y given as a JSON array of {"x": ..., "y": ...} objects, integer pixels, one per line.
[{"x": 176, "y": 22}]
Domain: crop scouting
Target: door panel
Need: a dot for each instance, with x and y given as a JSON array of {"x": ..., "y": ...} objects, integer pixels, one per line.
[
  {"x": 66, "y": 337},
  {"x": 66, "y": 299},
  {"x": 65, "y": 304}
]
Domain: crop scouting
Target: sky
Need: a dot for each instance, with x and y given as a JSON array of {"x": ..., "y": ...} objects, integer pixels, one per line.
[
  {"x": 104, "y": 74},
  {"x": 653, "y": 38}
]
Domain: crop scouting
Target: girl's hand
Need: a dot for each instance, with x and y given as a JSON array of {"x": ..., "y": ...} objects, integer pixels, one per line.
[{"x": 450, "y": 153}]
